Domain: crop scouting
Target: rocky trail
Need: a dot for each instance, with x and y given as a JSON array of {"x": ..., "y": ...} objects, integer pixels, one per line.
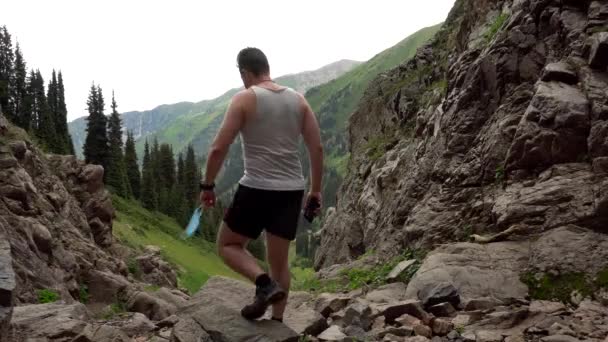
[{"x": 488, "y": 151}]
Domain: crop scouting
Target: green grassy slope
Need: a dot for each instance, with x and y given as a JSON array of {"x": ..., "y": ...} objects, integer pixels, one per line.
[{"x": 195, "y": 258}]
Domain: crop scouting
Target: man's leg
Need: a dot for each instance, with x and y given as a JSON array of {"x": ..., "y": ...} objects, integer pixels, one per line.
[
  {"x": 231, "y": 248},
  {"x": 278, "y": 258}
]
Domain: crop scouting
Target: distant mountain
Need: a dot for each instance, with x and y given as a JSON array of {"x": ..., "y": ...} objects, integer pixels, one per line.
[{"x": 185, "y": 122}]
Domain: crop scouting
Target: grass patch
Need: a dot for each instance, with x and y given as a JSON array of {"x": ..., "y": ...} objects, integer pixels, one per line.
[
  {"x": 195, "y": 259},
  {"x": 83, "y": 293},
  {"x": 495, "y": 27},
  {"x": 499, "y": 174},
  {"x": 133, "y": 267},
  {"x": 151, "y": 288},
  {"x": 557, "y": 287},
  {"x": 352, "y": 279},
  {"x": 376, "y": 147},
  {"x": 47, "y": 296},
  {"x": 115, "y": 309}
]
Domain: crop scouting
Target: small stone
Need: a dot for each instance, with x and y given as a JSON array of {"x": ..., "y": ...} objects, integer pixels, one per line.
[
  {"x": 453, "y": 335},
  {"x": 488, "y": 336},
  {"x": 469, "y": 337},
  {"x": 547, "y": 307},
  {"x": 378, "y": 323},
  {"x": 408, "y": 320},
  {"x": 480, "y": 304},
  {"x": 560, "y": 329},
  {"x": 423, "y": 330},
  {"x": 399, "y": 269},
  {"x": 442, "y": 310},
  {"x": 416, "y": 339},
  {"x": 392, "y": 338},
  {"x": 438, "y": 293},
  {"x": 515, "y": 338},
  {"x": 436, "y": 339},
  {"x": 461, "y": 320},
  {"x": 168, "y": 322},
  {"x": 333, "y": 333},
  {"x": 327, "y": 303},
  {"x": 412, "y": 307},
  {"x": 559, "y": 338},
  {"x": 441, "y": 327},
  {"x": 355, "y": 331},
  {"x": 397, "y": 331}
]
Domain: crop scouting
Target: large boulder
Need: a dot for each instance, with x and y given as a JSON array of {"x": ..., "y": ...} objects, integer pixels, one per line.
[
  {"x": 475, "y": 270},
  {"x": 7, "y": 284},
  {"x": 50, "y": 320},
  {"x": 156, "y": 271},
  {"x": 216, "y": 308}
]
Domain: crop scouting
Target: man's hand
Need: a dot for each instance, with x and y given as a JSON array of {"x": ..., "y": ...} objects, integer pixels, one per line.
[
  {"x": 208, "y": 199},
  {"x": 315, "y": 196}
]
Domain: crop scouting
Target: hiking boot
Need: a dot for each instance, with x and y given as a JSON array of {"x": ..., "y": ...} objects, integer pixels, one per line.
[{"x": 264, "y": 297}]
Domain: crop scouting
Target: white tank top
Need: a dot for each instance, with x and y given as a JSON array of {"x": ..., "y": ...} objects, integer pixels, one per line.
[{"x": 271, "y": 140}]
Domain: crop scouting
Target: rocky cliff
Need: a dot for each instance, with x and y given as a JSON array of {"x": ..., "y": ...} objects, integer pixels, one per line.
[
  {"x": 497, "y": 130},
  {"x": 56, "y": 246}
]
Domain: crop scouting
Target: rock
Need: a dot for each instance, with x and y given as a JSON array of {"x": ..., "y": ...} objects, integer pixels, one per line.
[
  {"x": 400, "y": 269},
  {"x": 560, "y": 329},
  {"x": 49, "y": 320},
  {"x": 378, "y": 323},
  {"x": 222, "y": 318},
  {"x": 187, "y": 330},
  {"x": 389, "y": 293},
  {"x": 333, "y": 333},
  {"x": 487, "y": 336},
  {"x": 174, "y": 297},
  {"x": 439, "y": 293},
  {"x": 92, "y": 176},
  {"x": 547, "y": 307},
  {"x": 302, "y": 318},
  {"x": 480, "y": 304},
  {"x": 452, "y": 335},
  {"x": 94, "y": 333},
  {"x": 137, "y": 324},
  {"x": 559, "y": 72},
  {"x": 19, "y": 148},
  {"x": 559, "y": 338},
  {"x": 553, "y": 129},
  {"x": 441, "y": 327},
  {"x": 328, "y": 303},
  {"x": 416, "y": 339},
  {"x": 392, "y": 338},
  {"x": 156, "y": 271},
  {"x": 154, "y": 308},
  {"x": 471, "y": 269},
  {"x": 7, "y": 284},
  {"x": 469, "y": 337},
  {"x": 168, "y": 322},
  {"x": 515, "y": 338},
  {"x": 105, "y": 287},
  {"x": 423, "y": 330},
  {"x": 396, "y": 331},
  {"x": 598, "y": 55},
  {"x": 408, "y": 321},
  {"x": 461, "y": 320},
  {"x": 442, "y": 310},
  {"x": 358, "y": 313},
  {"x": 354, "y": 331},
  {"x": 396, "y": 310}
]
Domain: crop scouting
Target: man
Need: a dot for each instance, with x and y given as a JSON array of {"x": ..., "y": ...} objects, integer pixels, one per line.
[{"x": 271, "y": 119}]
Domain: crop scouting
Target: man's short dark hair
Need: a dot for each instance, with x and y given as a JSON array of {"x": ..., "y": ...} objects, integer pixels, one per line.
[{"x": 253, "y": 60}]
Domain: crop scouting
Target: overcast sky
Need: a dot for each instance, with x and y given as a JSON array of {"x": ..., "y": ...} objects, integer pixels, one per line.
[{"x": 158, "y": 52}]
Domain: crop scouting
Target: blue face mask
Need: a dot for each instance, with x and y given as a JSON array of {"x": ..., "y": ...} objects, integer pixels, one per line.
[{"x": 194, "y": 223}]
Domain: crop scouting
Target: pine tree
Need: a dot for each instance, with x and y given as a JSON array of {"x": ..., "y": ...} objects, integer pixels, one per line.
[
  {"x": 61, "y": 118},
  {"x": 116, "y": 175},
  {"x": 19, "y": 94},
  {"x": 180, "y": 169},
  {"x": 45, "y": 126},
  {"x": 96, "y": 142},
  {"x": 6, "y": 73},
  {"x": 167, "y": 166},
  {"x": 148, "y": 193},
  {"x": 191, "y": 178},
  {"x": 131, "y": 166}
]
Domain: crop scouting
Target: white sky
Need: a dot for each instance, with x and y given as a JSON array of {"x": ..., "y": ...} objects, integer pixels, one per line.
[{"x": 159, "y": 52}]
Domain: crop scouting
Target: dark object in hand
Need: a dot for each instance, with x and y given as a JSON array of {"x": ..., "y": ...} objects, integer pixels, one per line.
[
  {"x": 310, "y": 211},
  {"x": 206, "y": 187}
]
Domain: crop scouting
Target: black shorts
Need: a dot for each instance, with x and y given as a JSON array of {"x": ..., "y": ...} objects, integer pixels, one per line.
[{"x": 253, "y": 210}]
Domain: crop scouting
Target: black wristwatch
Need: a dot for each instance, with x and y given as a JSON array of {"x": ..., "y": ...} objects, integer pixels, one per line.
[{"x": 207, "y": 187}]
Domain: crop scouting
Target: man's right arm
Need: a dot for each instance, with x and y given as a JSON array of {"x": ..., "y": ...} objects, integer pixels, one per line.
[{"x": 312, "y": 137}]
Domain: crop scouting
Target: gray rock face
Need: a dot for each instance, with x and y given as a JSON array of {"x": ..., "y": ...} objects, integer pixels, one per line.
[
  {"x": 7, "y": 284},
  {"x": 598, "y": 56},
  {"x": 187, "y": 330},
  {"x": 156, "y": 271},
  {"x": 222, "y": 320},
  {"x": 507, "y": 144},
  {"x": 50, "y": 320}
]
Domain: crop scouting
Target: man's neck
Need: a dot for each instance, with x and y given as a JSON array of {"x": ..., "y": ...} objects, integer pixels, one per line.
[{"x": 262, "y": 79}]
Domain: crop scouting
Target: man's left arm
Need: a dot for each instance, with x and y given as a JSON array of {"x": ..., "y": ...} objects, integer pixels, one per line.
[{"x": 233, "y": 121}]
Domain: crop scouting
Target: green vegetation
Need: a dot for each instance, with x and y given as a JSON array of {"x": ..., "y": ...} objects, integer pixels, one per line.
[
  {"x": 495, "y": 27},
  {"x": 83, "y": 293},
  {"x": 195, "y": 258},
  {"x": 151, "y": 288},
  {"x": 376, "y": 147},
  {"x": 560, "y": 287},
  {"x": 500, "y": 174},
  {"x": 118, "y": 308},
  {"x": 47, "y": 296},
  {"x": 351, "y": 279}
]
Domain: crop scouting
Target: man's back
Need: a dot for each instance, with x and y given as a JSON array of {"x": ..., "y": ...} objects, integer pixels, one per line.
[{"x": 271, "y": 138}]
